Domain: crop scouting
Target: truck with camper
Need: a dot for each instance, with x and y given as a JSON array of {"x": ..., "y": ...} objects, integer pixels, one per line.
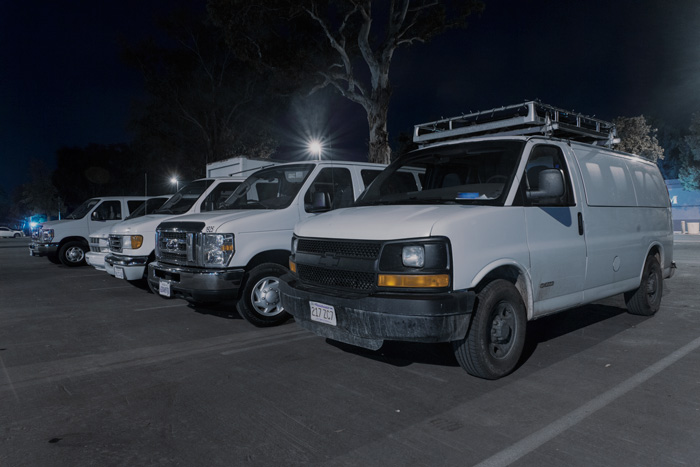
[
  {"x": 523, "y": 211},
  {"x": 99, "y": 240},
  {"x": 239, "y": 253},
  {"x": 66, "y": 240}
]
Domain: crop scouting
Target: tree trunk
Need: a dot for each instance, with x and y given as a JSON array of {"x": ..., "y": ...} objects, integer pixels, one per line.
[{"x": 379, "y": 149}]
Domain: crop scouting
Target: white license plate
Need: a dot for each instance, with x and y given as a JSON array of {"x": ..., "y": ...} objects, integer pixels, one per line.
[
  {"x": 322, "y": 313},
  {"x": 164, "y": 288},
  {"x": 118, "y": 272}
]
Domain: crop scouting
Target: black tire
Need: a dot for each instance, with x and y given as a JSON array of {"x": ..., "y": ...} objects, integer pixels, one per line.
[
  {"x": 646, "y": 299},
  {"x": 73, "y": 254},
  {"x": 54, "y": 258},
  {"x": 16, "y": 235},
  {"x": 260, "y": 302},
  {"x": 494, "y": 342}
]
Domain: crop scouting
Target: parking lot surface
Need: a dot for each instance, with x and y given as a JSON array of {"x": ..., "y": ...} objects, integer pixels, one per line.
[{"x": 97, "y": 371}]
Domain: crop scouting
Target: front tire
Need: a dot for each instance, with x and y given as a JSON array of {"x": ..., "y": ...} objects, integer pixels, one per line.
[
  {"x": 646, "y": 299},
  {"x": 260, "y": 303},
  {"x": 494, "y": 342},
  {"x": 72, "y": 254}
]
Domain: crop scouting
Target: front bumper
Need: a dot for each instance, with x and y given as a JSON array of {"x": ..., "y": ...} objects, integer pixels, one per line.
[
  {"x": 131, "y": 268},
  {"x": 43, "y": 249},
  {"x": 368, "y": 320},
  {"x": 96, "y": 260},
  {"x": 197, "y": 285}
]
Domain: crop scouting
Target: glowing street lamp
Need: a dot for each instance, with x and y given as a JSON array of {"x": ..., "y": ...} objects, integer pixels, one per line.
[
  {"x": 315, "y": 148},
  {"x": 176, "y": 182}
]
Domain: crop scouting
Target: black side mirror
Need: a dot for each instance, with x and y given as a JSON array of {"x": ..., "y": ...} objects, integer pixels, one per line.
[
  {"x": 551, "y": 186},
  {"x": 320, "y": 202}
]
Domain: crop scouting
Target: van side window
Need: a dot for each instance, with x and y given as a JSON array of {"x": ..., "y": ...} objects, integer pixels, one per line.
[
  {"x": 134, "y": 204},
  {"x": 335, "y": 184},
  {"x": 215, "y": 200},
  {"x": 368, "y": 176},
  {"x": 107, "y": 211},
  {"x": 547, "y": 157}
]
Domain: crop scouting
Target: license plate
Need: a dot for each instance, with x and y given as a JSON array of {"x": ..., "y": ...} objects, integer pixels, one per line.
[
  {"x": 118, "y": 272},
  {"x": 322, "y": 313},
  {"x": 164, "y": 288}
]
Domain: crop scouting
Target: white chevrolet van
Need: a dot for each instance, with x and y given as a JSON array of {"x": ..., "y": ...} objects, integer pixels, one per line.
[{"x": 504, "y": 229}]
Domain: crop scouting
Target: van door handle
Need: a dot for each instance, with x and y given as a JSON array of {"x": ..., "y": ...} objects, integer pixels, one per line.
[{"x": 580, "y": 223}]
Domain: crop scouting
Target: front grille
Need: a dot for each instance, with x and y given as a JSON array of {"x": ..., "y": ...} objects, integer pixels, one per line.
[
  {"x": 115, "y": 243},
  {"x": 172, "y": 246},
  {"x": 361, "y": 281},
  {"x": 365, "y": 250},
  {"x": 95, "y": 248}
]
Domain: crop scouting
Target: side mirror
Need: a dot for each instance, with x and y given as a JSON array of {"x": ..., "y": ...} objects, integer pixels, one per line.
[
  {"x": 551, "y": 186},
  {"x": 320, "y": 202},
  {"x": 96, "y": 216}
]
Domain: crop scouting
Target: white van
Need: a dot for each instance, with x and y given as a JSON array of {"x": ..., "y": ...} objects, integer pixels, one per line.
[
  {"x": 238, "y": 253},
  {"x": 66, "y": 240},
  {"x": 132, "y": 242},
  {"x": 504, "y": 229}
]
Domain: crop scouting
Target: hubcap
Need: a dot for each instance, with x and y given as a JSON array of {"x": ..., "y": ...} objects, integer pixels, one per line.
[
  {"x": 75, "y": 254},
  {"x": 652, "y": 287},
  {"x": 266, "y": 298},
  {"x": 503, "y": 329}
]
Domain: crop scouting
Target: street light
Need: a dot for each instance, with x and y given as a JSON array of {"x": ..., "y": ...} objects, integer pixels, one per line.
[
  {"x": 315, "y": 148},
  {"x": 176, "y": 182}
]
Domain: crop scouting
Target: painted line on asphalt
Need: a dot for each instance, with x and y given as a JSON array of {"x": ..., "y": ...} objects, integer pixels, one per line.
[
  {"x": 554, "y": 429},
  {"x": 159, "y": 307},
  {"x": 231, "y": 352},
  {"x": 119, "y": 287}
]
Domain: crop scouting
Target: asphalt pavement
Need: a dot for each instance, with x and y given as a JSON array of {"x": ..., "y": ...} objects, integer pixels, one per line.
[{"x": 95, "y": 371}]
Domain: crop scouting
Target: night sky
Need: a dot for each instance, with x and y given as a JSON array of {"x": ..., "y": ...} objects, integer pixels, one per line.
[{"x": 62, "y": 82}]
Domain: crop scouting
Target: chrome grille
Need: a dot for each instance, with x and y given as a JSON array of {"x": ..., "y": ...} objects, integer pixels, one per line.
[
  {"x": 172, "y": 246},
  {"x": 115, "y": 243}
]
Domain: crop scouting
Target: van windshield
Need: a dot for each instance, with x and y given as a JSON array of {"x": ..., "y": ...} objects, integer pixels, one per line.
[
  {"x": 83, "y": 209},
  {"x": 273, "y": 188},
  {"x": 467, "y": 173},
  {"x": 184, "y": 199},
  {"x": 148, "y": 207}
]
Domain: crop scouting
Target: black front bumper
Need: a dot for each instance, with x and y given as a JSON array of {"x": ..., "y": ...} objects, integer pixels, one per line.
[{"x": 368, "y": 320}]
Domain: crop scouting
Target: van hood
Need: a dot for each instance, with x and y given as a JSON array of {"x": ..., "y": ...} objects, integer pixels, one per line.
[
  {"x": 215, "y": 220},
  {"x": 139, "y": 225},
  {"x": 387, "y": 222}
]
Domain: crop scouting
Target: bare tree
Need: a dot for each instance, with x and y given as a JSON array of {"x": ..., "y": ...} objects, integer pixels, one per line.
[{"x": 348, "y": 45}]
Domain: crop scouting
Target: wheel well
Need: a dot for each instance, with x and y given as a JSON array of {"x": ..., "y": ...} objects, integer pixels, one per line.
[
  {"x": 656, "y": 252},
  {"x": 74, "y": 239},
  {"x": 513, "y": 275},
  {"x": 280, "y": 257}
]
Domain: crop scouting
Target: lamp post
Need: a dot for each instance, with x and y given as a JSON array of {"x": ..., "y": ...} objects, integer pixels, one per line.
[{"x": 176, "y": 182}]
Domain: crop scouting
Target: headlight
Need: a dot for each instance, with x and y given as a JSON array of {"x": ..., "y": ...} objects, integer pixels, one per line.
[
  {"x": 295, "y": 242},
  {"x": 418, "y": 264},
  {"x": 47, "y": 235},
  {"x": 217, "y": 249},
  {"x": 413, "y": 256}
]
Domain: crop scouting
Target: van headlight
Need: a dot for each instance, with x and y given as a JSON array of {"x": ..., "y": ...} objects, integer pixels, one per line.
[
  {"x": 217, "y": 249},
  {"x": 46, "y": 235},
  {"x": 420, "y": 264}
]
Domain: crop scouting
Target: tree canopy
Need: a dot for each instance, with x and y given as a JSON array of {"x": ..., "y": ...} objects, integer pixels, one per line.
[
  {"x": 638, "y": 137},
  {"x": 347, "y": 45}
]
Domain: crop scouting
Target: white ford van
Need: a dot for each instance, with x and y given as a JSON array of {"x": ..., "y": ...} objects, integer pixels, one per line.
[
  {"x": 238, "y": 253},
  {"x": 66, "y": 240},
  {"x": 504, "y": 229}
]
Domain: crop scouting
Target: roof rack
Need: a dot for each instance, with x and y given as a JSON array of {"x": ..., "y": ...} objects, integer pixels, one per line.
[{"x": 528, "y": 118}]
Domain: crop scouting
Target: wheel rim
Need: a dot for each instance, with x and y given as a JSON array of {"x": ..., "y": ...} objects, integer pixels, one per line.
[
  {"x": 503, "y": 330},
  {"x": 75, "y": 254},
  {"x": 265, "y": 297},
  {"x": 652, "y": 287}
]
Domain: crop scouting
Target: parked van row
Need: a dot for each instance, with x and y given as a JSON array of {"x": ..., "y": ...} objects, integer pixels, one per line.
[{"x": 499, "y": 218}]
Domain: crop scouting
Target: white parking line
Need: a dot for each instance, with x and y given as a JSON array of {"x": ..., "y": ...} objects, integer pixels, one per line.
[
  {"x": 162, "y": 306},
  {"x": 537, "y": 439}
]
